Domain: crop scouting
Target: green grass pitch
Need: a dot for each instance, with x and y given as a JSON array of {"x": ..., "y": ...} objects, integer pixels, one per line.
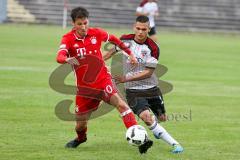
[{"x": 203, "y": 68}]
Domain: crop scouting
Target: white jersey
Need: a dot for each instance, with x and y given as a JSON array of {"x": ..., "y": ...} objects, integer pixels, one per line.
[
  {"x": 147, "y": 55},
  {"x": 151, "y": 8}
]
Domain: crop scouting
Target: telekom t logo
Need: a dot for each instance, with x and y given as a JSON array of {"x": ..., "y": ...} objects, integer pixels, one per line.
[{"x": 81, "y": 52}]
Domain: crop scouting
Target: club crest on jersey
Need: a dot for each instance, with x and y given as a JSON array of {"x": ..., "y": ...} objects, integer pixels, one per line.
[
  {"x": 76, "y": 45},
  {"x": 62, "y": 46},
  {"x": 143, "y": 53},
  {"x": 93, "y": 40}
]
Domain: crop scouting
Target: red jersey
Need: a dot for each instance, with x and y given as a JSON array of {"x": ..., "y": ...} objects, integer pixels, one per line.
[
  {"x": 143, "y": 2},
  {"x": 92, "y": 70}
]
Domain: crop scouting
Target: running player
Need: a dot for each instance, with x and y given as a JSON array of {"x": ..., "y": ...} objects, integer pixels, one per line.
[
  {"x": 81, "y": 47},
  {"x": 141, "y": 84}
]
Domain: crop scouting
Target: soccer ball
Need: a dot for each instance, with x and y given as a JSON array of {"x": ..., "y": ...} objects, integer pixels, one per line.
[{"x": 136, "y": 135}]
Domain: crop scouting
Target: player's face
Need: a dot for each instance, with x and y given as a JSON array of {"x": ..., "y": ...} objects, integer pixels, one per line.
[
  {"x": 81, "y": 26},
  {"x": 141, "y": 31}
]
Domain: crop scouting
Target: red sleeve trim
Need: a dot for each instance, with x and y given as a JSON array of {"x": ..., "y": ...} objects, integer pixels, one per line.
[
  {"x": 143, "y": 3},
  {"x": 61, "y": 56},
  {"x": 120, "y": 44},
  {"x": 127, "y": 37},
  {"x": 155, "y": 51}
]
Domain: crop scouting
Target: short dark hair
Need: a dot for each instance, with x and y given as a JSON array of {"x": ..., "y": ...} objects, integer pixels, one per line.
[
  {"x": 79, "y": 12},
  {"x": 142, "y": 19}
]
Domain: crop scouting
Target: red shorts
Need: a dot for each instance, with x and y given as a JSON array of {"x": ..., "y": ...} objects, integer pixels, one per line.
[{"x": 88, "y": 99}]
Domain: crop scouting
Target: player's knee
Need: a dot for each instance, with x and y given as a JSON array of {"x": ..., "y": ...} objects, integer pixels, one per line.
[
  {"x": 122, "y": 106},
  {"x": 146, "y": 117},
  {"x": 117, "y": 102}
]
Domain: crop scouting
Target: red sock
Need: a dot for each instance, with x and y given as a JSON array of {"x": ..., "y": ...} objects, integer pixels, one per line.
[
  {"x": 81, "y": 135},
  {"x": 128, "y": 118}
]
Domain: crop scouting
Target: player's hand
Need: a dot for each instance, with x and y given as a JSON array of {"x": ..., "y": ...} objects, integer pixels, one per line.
[
  {"x": 133, "y": 59},
  {"x": 119, "y": 79},
  {"x": 163, "y": 117},
  {"x": 72, "y": 61}
]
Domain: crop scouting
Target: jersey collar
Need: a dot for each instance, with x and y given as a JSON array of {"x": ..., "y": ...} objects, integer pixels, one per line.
[
  {"x": 139, "y": 42},
  {"x": 78, "y": 38}
]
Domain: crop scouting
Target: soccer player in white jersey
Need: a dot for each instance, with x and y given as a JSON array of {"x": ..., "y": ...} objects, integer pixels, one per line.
[
  {"x": 149, "y": 8},
  {"x": 141, "y": 84}
]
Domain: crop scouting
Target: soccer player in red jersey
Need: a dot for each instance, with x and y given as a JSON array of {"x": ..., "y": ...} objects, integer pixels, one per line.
[{"x": 81, "y": 48}]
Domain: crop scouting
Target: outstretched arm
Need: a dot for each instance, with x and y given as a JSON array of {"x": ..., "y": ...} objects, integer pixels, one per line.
[
  {"x": 107, "y": 55},
  {"x": 63, "y": 58},
  {"x": 122, "y": 46},
  {"x": 146, "y": 73}
]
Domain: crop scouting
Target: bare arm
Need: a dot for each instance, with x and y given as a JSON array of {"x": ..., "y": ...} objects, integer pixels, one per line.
[
  {"x": 146, "y": 73},
  {"x": 122, "y": 46},
  {"x": 107, "y": 55},
  {"x": 62, "y": 58}
]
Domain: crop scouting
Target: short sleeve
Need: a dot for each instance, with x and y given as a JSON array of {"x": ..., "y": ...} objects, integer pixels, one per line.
[
  {"x": 104, "y": 36},
  {"x": 65, "y": 44},
  {"x": 143, "y": 3},
  {"x": 62, "y": 53},
  {"x": 151, "y": 62},
  {"x": 139, "y": 9},
  {"x": 155, "y": 50}
]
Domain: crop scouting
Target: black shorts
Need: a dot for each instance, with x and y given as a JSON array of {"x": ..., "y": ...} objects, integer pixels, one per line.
[
  {"x": 140, "y": 100},
  {"x": 152, "y": 31}
]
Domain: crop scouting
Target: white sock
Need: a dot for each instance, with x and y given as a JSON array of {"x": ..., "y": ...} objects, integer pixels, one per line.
[{"x": 160, "y": 132}]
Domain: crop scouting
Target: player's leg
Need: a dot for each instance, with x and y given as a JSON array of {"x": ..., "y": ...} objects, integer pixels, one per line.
[
  {"x": 128, "y": 118},
  {"x": 83, "y": 110},
  {"x": 137, "y": 107},
  {"x": 81, "y": 130},
  {"x": 81, "y": 126},
  {"x": 157, "y": 129},
  {"x": 159, "y": 132},
  {"x": 157, "y": 106},
  {"x": 113, "y": 98},
  {"x": 124, "y": 110}
]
